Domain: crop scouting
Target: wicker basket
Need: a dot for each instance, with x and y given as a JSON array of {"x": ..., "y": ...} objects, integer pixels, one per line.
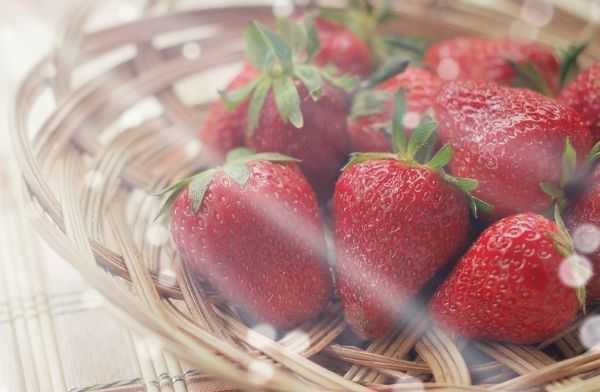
[{"x": 91, "y": 138}]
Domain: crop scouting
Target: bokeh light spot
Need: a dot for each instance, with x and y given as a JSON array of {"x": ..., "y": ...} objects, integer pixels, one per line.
[
  {"x": 157, "y": 234},
  {"x": 265, "y": 330},
  {"x": 586, "y": 238},
  {"x": 537, "y": 12},
  {"x": 589, "y": 332},
  {"x": 131, "y": 119},
  {"x": 94, "y": 180},
  {"x": 193, "y": 148},
  {"x": 191, "y": 50},
  {"x": 448, "y": 69},
  {"x": 411, "y": 120},
  {"x": 575, "y": 271},
  {"x": 260, "y": 371},
  {"x": 91, "y": 299},
  {"x": 408, "y": 383},
  {"x": 283, "y": 8}
]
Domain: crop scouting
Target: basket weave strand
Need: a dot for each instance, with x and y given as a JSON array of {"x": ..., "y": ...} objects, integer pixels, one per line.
[{"x": 103, "y": 233}]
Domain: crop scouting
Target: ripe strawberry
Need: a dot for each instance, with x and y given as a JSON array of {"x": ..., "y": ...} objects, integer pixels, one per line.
[
  {"x": 510, "y": 140},
  {"x": 396, "y": 223},
  {"x": 372, "y": 109},
  {"x": 342, "y": 48},
  {"x": 223, "y": 130},
  {"x": 507, "y": 286},
  {"x": 252, "y": 229},
  {"x": 585, "y": 210},
  {"x": 477, "y": 58},
  {"x": 295, "y": 108},
  {"x": 583, "y": 95}
]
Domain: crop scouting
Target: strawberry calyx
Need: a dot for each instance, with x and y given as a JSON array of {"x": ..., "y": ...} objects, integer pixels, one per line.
[
  {"x": 568, "y": 62},
  {"x": 235, "y": 167},
  {"x": 573, "y": 180},
  {"x": 564, "y": 245},
  {"x": 529, "y": 76},
  {"x": 363, "y": 19},
  {"x": 417, "y": 150},
  {"x": 558, "y": 192},
  {"x": 282, "y": 59}
]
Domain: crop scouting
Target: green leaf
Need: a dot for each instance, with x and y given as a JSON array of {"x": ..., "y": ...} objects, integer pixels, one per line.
[
  {"x": 173, "y": 192},
  {"x": 238, "y": 172},
  {"x": 409, "y": 48},
  {"x": 466, "y": 185},
  {"x": 398, "y": 132},
  {"x": 198, "y": 187},
  {"x": 555, "y": 192},
  {"x": 568, "y": 64},
  {"x": 293, "y": 33},
  {"x": 560, "y": 223},
  {"x": 239, "y": 153},
  {"x": 233, "y": 99},
  {"x": 287, "y": 100},
  {"x": 277, "y": 45},
  {"x": 441, "y": 158},
  {"x": 368, "y": 102},
  {"x": 569, "y": 163},
  {"x": 334, "y": 15},
  {"x": 358, "y": 157},
  {"x": 313, "y": 43},
  {"x": 311, "y": 77},
  {"x": 171, "y": 188},
  {"x": 479, "y": 206},
  {"x": 594, "y": 153},
  {"x": 258, "y": 52},
  {"x": 345, "y": 82},
  {"x": 530, "y": 77},
  {"x": 388, "y": 70},
  {"x": 420, "y": 136},
  {"x": 256, "y": 104},
  {"x": 384, "y": 13}
]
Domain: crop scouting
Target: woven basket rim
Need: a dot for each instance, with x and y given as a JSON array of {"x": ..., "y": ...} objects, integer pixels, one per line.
[{"x": 78, "y": 224}]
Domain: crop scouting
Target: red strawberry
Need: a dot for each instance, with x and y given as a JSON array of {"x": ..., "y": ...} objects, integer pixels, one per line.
[
  {"x": 342, "y": 48},
  {"x": 252, "y": 229},
  {"x": 295, "y": 108},
  {"x": 477, "y": 58},
  {"x": 320, "y": 143},
  {"x": 396, "y": 223},
  {"x": 510, "y": 140},
  {"x": 372, "y": 109},
  {"x": 507, "y": 286},
  {"x": 223, "y": 130},
  {"x": 585, "y": 210},
  {"x": 583, "y": 95}
]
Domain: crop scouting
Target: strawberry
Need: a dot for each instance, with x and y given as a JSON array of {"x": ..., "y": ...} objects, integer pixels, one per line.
[
  {"x": 372, "y": 109},
  {"x": 505, "y": 61},
  {"x": 342, "y": 48},
  {"x": 507, "y": 286},
  {"x": 238, "y": 226},
  {"x": 583, "y": 95},
  {"x": 396, "y": 223},
  {"x": 295, "y": 108},
  {"x": 510, "y": 140},
  {"x": 584, "y": 210},
  {"x": 223, "y": 129},
  {"x": 352, "y": 41}
]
